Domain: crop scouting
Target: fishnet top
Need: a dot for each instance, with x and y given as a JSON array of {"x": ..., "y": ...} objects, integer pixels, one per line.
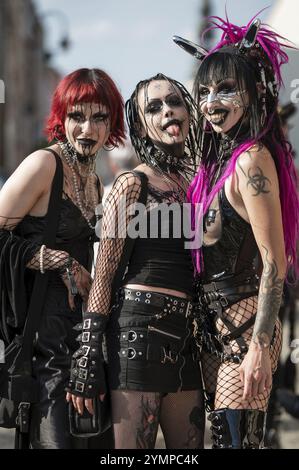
[{"x": 121, "y": 200}]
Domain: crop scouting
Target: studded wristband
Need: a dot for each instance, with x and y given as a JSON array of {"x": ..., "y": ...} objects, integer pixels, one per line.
[{"x": 87, "y": 377}]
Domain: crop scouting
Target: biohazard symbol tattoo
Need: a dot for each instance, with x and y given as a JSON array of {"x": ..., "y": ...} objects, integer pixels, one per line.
[{"x": 258, "y": 181}]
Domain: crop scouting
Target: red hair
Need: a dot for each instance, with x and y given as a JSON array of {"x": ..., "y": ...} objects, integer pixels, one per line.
[{"x": 86, "y": 86}]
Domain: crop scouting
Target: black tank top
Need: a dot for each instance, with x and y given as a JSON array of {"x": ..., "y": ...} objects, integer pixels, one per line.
[
  {"x": 229, "y": 247},
  {"x": 73, "y": 234},
  {"x": 162, "y": 261}
]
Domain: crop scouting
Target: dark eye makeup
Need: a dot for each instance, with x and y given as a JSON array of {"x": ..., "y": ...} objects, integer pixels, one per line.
[
  {"x": 79, "y": 116},
  {"x": 155, "y": 105},
  {"x": 226, "y": 86}
]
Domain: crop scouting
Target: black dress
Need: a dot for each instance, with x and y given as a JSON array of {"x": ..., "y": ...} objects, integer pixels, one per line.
[{"x": 56, "y": 339}]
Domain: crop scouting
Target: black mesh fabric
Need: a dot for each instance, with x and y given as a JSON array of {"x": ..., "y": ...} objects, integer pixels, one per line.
[
  {"x": 222, "y": 378},
  {"x": 121, "y": 200}
]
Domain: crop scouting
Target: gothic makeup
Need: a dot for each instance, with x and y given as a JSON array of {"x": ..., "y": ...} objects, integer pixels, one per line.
[
  {"x": 222, "y": 104},
  {"x": 163, "y": 113},
  {"x": 87, "y": 127}
]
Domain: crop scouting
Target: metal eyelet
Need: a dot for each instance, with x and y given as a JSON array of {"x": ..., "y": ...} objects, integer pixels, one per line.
[
  {"x": 131, "y": 353},
  {"x": 132, "y": 336}
]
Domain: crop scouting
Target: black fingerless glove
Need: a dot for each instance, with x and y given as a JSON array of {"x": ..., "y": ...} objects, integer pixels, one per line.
[{"x": 87, "y": 377}]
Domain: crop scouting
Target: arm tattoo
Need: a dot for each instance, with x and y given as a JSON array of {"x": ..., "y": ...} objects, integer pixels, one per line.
[
  {"x": 269, "y": 300},
  {"x": 256, "y": 180}
]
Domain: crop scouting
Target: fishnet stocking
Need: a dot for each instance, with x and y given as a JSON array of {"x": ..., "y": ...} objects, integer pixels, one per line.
[
  {"x": 118, "y": 212},
  {"x": 223, "y": 378},
  {"x": 137, "y": 415}
]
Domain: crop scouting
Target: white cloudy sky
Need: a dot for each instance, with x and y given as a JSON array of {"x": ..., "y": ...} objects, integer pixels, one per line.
[{"x": 131, "y": 39}]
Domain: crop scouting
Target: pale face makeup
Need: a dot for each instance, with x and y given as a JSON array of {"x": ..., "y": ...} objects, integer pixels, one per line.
[
  {"x": 87, "y": 127},
  {"x": 222, "y": 104},
  {"x": 163, "y": 113}
]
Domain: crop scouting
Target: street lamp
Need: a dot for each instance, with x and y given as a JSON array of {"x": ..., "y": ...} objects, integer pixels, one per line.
[{"x": 64, "y": 42}]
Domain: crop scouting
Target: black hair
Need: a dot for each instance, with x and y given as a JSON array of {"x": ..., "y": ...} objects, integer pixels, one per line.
[
  {"x": 229, "y": 63},
  {"x": 145, "y": 149}
]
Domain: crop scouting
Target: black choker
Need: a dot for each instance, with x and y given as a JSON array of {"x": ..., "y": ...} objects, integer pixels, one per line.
[
  {"x": 86, "y": 160},
  {"x": 75, "y": 156},
  {"x": 164, "y": 161}
]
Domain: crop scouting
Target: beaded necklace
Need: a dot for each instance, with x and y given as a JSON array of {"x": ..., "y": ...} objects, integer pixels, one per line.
[{"x": 72, "y": 158}]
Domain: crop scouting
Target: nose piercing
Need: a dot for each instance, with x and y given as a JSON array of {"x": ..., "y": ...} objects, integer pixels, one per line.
[{"x": 212, "y": 97}]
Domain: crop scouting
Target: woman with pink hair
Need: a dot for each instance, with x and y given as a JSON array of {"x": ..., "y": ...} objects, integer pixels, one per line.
[{"x": 246, "y": 184}]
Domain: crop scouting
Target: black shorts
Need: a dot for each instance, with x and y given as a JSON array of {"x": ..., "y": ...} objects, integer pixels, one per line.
[{"x": 151, "y": 354}]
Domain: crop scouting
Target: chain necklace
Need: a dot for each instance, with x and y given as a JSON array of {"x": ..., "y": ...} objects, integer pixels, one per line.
[{"x": 71, "y": 157}]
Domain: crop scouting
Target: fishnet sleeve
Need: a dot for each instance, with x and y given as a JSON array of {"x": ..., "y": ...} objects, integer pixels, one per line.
[
  {"x": 117, "y": 214},
  {"x": 52, "y": 259}
]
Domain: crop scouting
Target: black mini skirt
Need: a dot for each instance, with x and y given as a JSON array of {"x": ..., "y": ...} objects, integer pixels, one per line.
[{"x": 150, "y": 350}]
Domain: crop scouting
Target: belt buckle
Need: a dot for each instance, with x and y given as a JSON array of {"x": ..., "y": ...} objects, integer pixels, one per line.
[
  {"x": 223, "y": 301},
  {"x": 214, "y": 286}
]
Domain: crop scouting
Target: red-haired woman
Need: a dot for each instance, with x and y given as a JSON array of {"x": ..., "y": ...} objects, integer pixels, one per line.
[{"x": 86, "y": 114}]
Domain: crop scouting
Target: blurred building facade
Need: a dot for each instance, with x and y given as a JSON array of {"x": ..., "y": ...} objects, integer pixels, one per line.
[
  {"x": 283, "y": 18},
  {"x": 29, "y": 82}
]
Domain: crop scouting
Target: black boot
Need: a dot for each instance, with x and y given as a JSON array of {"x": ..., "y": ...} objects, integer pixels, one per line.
[
  {"x": 254, "y": 429},
  {"x": 227, "y": 428}
]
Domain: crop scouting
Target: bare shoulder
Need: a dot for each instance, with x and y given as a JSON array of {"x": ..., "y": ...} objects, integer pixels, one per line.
[
  {"x": 257, "y": 158},
  {"x": 34, "y": 175},
  {"x": 41, "y": 162},
  {"x": 256, "y": 172}
]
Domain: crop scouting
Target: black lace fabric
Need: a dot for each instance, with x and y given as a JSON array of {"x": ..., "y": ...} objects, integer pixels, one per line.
[{"x": 121, "y": 201}]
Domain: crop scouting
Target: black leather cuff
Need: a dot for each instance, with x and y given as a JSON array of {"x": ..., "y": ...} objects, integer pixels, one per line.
[{"x": 87, "y": 378}]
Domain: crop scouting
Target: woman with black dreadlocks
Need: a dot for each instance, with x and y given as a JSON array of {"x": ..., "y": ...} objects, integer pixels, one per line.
[
  {"x": 246, "y": 183},
  {"x": 153, "y": 371}
]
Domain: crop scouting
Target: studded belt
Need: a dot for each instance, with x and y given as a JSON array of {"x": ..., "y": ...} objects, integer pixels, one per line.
[{"x": 167, "y": 303}]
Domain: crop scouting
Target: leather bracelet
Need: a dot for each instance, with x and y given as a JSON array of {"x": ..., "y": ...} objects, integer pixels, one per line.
[{"x": 87, "y": 377}]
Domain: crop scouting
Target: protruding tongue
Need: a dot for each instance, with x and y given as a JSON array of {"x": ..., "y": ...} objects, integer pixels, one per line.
[{"x": 174, "y": 130}]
